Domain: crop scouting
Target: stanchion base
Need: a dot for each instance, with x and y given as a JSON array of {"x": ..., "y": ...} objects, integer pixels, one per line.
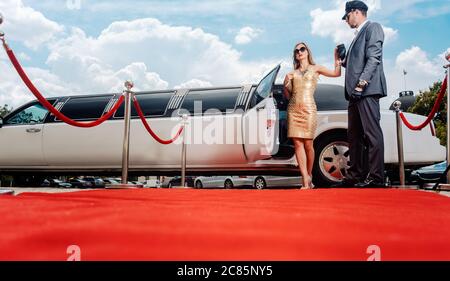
[
  {"x": 6, "y": 192},
  {"x": 122, "y": 186},
  {"x": 181, "y": 187},
  {"x": 404, "y": 186},
  {"x": 441, "y": 186}
]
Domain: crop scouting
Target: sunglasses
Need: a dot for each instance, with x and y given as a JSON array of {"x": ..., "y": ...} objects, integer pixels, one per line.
[{"x": 302, "y": 49}]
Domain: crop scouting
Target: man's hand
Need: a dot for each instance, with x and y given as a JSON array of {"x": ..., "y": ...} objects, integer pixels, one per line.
[{"x": 356, "y": 94}]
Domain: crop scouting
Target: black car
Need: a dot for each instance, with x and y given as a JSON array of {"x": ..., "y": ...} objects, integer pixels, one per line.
[
  {"x": 55, "y": 183},
  {"x": 428, "y": 174},
  {"x": 95, "y": 182},
  {"x": 176, "y": 181},
  {"x": 79, "y": 183}
]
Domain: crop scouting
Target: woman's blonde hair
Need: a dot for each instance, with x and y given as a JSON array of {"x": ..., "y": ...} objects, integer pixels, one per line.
[{"x": 310, "y": 57}]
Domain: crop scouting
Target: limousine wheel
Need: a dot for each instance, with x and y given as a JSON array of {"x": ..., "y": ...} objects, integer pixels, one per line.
[
  {"x": 260, "y": 183},
  {"x": 198, "y": 184},
  {"x": 332, "y": 159},
  {"x": 228, "y": 184}
]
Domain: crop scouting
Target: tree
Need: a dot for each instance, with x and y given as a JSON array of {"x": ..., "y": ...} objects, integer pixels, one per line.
[
  {"x": 4, "y": 110},
  {"x": 423, "y": 105}
]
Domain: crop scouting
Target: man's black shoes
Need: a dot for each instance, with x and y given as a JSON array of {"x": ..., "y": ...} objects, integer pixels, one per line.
[
  {"x": 345, "y": 183},
  {"x": 370, "y": 183}
]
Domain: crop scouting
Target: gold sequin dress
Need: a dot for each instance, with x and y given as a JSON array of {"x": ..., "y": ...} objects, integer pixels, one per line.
[{"x": 302, "y": 110}]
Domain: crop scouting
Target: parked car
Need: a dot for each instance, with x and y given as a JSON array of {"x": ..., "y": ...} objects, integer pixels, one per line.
[
  {"x": 263, "y": 182},
  {"x": 79, "y": 183},
  {"x": 110, "y": 181},
  {"x": 55, "y": 183},
  {"x": 176, "y": 181},
  {"x": 95, "y": 182},
  {"x": 223, "y": 182},
  {"x": 137, "y": 183},
  {"x": 428, "y": 174},
  {"x": 153, "y": 183},
  {"x": 34, "y": 142}
]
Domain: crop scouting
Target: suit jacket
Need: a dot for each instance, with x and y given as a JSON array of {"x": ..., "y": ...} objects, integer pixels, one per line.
[{"x": 364, "y": 61}]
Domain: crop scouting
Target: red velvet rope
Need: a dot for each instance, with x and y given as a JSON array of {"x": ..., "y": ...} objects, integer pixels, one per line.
[
  {"x": 49, "y": 106},
  {"x": 437, "y": 103},
  {"x": 147, "y": 126}
]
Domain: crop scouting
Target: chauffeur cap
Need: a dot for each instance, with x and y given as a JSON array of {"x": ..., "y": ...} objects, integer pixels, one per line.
[{"x": 354, "y": 5}]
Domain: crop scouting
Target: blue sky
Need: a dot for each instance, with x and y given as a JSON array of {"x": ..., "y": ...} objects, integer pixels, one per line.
[{"x": 86, "y": 46}]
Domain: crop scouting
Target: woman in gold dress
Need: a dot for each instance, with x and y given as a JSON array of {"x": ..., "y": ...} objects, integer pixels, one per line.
[{"x": 299, "y": 87}]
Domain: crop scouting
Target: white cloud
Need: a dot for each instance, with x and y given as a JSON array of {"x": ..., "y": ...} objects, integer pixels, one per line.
[
  {"x": 422, "y": 71},
  {"x": 329, "y": 23},
  {"x": 174, "y": 54},
  {"x": 246, "y": 35},
  {"x": 194, "y": 83},
  {"x": 23, "y": 23},
  {"x": 152, "y": 54},
  {"x": 416, "y": 61}
]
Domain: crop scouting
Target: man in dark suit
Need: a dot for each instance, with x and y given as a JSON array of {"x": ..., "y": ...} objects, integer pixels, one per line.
[{"x": 365, "y": 84}]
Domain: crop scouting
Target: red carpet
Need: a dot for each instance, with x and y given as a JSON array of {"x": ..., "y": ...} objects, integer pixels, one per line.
[{"x": 182, "y": 224}]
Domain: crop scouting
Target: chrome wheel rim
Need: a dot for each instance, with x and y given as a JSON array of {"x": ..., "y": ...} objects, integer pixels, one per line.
[
  {"x": 259, "y": 183},
  {"x": 228, "y": 184},
  {"x": 334, "y": 160}
]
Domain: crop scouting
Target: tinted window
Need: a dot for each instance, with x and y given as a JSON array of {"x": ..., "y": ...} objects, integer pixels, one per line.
[
  {"x": 222, "y": 100},
  {"x": 33, "y": 114},
  {"x": 264, "y": 88},
  {"x": 330, "y": 97},
  {"x": 153, "y": 104},
  {"x": 85, "y": 107},
  {"x": 327, "y": 97}
]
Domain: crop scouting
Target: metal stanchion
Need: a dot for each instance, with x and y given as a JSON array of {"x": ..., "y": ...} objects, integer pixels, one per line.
[
  {"x": 4, "y": 191},
  {"x": 183, "y": 153},
  {"x": 447, "y": 67},
  {"x": 126, "y": 139},
  {"x": 401, "y": 160},
  {"x": 446, "y": 186}
]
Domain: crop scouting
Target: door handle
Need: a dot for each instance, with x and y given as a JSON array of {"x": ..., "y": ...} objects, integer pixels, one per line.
[
  {"x": 261, "y": 108},
  {"x": 33, "y": 130}
]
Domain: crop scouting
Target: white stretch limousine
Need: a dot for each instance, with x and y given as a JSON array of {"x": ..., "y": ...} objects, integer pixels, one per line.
[{"x": 220, "y": 136}]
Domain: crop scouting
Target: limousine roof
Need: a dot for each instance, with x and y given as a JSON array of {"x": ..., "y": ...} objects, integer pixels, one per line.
[
  {"x": 276, "y": 86},
  {"x": 328, "y": 97}
]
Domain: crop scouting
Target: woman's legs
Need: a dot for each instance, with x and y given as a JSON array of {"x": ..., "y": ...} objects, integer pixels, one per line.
[
  {"x": 300, "y": 153},
  {"x": 309, "y": 149}
]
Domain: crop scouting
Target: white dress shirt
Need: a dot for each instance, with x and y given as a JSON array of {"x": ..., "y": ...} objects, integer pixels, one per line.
[{"x": 358, "y": 29}]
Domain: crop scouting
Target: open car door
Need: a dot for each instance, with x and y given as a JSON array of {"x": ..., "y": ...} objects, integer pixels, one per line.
[{"x": 260, "y": 121}]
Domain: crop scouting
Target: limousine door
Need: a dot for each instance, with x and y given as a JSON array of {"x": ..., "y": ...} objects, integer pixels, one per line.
[
  {"x": 23, "y": 131},
  {"x": 260, "y": 122}
]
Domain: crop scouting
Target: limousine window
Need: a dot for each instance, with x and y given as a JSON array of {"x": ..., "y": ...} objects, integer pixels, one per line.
[
  {"x": 330, "y": 97},
  {"x": 152, "y": 104},
  {"x": 82, "y": 108},
  {"x": 327, "y": 97},
  {"x": 34, "y": 114},
  {"x": 263, "y": 90},
  {"x": 222, "y": 100}
]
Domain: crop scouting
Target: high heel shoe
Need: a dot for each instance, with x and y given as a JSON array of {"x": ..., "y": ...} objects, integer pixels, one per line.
[
  {"x": 311, "y": 185},
  {"x": 308, "y": 186}
]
